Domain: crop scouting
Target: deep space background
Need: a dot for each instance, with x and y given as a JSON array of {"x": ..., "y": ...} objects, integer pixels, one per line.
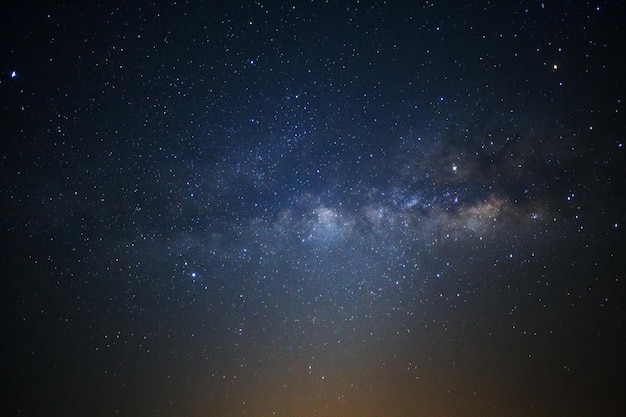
[{"x": 313, "y": 209}]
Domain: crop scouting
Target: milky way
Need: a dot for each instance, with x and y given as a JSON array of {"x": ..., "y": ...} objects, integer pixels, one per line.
[{"x": 313, "y": 209}]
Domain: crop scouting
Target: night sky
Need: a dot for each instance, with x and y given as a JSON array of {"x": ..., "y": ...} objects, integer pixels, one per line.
[{"x": 313, "y": 209}]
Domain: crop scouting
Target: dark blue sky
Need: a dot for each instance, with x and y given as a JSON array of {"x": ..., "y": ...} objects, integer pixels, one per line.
[{"x": 313, "y": 209}]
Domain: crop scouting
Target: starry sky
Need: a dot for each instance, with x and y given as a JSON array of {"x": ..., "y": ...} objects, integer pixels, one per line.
[{"x": 313, "y": 208}]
